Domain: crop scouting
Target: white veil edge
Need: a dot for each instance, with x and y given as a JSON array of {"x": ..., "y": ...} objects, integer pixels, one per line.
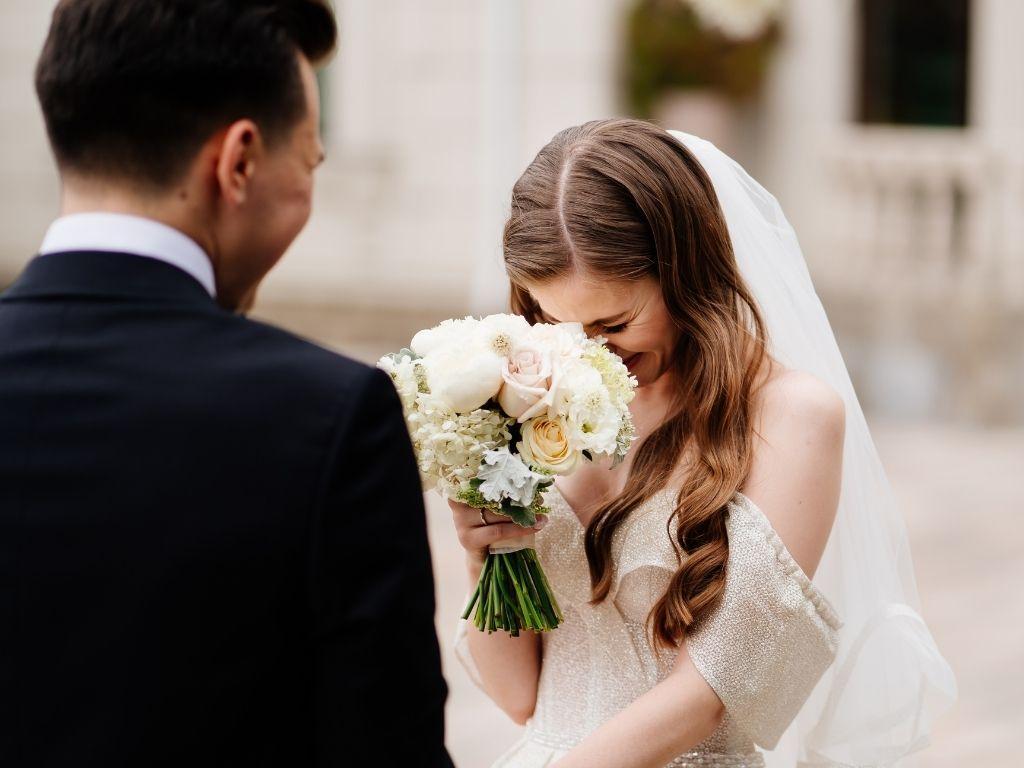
[{"x": 877, "y": 701}]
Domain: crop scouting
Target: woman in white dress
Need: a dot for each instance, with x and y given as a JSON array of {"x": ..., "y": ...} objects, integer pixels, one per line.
[{"x": 693, "y": 632}]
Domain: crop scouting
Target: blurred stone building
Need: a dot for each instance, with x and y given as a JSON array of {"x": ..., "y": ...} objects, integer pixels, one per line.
[{"x": 889, "y": 136}]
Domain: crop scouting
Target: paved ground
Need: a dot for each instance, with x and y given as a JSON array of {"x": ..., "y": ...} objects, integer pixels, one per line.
[{"x": 962, "y": 490}]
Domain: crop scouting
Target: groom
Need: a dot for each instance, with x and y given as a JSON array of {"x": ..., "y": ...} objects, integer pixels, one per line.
[{"x": 212, "y": 539}]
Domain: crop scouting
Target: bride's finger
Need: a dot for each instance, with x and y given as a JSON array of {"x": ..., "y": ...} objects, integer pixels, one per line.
[
  {"x": 485, "y": 535},
  {"x": 466, "y": 516},
  {"x": 492, "y": 518}
]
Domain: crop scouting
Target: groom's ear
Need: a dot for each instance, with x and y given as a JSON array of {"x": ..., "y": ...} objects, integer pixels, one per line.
[{"x": 241, "y": 148}]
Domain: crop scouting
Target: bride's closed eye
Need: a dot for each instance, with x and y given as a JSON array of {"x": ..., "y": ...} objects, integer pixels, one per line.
[{"x": 612, "y": 329}]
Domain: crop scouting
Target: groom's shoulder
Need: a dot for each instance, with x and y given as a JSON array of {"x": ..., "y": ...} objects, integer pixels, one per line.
[{"x": 274, "y": 358}]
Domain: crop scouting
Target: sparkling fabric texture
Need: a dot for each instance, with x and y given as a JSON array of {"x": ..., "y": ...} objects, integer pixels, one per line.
[{"x": 762, "y": 649}]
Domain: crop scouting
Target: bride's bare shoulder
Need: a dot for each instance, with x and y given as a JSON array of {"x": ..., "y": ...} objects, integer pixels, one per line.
[
  {"x": 786, "y": 394},
  {"x": 796, "y": 466}
]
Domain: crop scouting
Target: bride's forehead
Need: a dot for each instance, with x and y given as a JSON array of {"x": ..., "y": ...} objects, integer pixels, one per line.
[{"x": 587, "y": 301}]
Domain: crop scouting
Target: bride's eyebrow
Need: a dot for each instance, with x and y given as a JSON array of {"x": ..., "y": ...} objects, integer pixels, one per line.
[{"x": 546, "y": 318}]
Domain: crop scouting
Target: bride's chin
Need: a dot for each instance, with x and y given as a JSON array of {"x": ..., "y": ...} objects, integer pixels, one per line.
[
  {"x": 636, "y": 363},
  {"x": 648, "y": 371},
  {"x": 630, "y": 359}
]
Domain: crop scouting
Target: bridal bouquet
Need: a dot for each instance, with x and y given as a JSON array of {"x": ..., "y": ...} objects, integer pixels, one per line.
[{"x": 496, "y": 408}]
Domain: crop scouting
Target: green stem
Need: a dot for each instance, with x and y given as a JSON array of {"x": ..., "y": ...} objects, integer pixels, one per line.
[{"x": 545, "y": 586}]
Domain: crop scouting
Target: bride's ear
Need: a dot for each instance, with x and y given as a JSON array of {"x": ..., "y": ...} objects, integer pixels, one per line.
[{"x": 241, "y": 147}]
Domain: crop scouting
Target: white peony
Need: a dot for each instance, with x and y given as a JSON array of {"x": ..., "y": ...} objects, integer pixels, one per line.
[
  {"x": 464, "y": 377},
  {"x": 450, "y": 333},
  {"x": 502, "y": 333}
]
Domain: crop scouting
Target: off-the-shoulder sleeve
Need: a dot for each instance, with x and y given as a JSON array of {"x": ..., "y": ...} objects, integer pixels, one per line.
[
  {"x": 463, "y": 654},
  {"x": 771, "y": 637},
  {"x": 645, "y": 559}
]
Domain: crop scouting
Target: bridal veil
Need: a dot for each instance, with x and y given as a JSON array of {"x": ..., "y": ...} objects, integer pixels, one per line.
[{"x": 888, "y": 682}]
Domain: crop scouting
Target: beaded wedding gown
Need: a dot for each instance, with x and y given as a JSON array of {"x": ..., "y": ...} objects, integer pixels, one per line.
[{"x": 762, "y": 649}]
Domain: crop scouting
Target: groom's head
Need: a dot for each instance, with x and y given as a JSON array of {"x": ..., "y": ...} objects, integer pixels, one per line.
[{"x": 202, "y": 111}]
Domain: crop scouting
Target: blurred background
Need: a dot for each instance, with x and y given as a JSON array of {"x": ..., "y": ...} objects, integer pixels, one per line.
[{"x": 890, "y": 131}]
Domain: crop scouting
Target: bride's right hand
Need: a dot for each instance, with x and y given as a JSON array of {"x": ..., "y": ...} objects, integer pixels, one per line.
[{"x": 475, "y": 537}]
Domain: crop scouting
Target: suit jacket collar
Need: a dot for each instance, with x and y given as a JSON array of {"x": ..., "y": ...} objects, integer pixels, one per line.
[
  {"x": 124, "y": 233},
  {"x": 99, "y": 274}
]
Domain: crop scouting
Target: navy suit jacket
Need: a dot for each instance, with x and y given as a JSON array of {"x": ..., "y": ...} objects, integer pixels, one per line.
[{"x": 213, "y": 546}]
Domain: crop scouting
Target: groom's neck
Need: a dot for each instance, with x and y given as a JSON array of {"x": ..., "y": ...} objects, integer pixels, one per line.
[{"x": 173, "y": 208}]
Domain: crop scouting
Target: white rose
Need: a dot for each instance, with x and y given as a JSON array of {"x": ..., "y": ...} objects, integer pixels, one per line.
[
  {"x": 545, "y": 446},
  {"x": 464, "y": 378},
  {"x": 526, "y": 375}
]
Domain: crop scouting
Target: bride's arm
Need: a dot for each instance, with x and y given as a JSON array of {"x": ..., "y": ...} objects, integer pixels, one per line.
[
  {"x": 508, "y": 667},
  {"x": 671, "y": 718},
  {"x": 795, "y": 479}
]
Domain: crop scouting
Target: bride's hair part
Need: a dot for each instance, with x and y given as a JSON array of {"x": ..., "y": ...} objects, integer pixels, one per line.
[{"x": 623, "y": 200}]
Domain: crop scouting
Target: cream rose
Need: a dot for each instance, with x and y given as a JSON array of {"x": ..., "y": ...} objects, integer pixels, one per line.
[
  {"x": 526, "y": 378},
  {"x": 545, "y": 446}
]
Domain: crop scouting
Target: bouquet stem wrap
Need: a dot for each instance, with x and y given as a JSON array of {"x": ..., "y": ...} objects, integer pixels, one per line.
[{"x": 513, "y": 593}]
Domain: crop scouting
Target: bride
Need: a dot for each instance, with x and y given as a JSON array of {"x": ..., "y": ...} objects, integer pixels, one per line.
[{"x": 694, "y": 633}]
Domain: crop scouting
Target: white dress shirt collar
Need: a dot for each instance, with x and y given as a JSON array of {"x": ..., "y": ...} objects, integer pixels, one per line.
[{"x": 122, "y": 233}]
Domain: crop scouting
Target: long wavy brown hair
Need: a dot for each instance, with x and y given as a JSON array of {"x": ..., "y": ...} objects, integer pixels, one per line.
[{"x": 624, "y": 200}]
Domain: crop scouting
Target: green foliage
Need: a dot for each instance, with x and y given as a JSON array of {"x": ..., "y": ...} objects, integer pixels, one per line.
[
  {"x": 474, "y": 498},
  {"x": 522, "y": 516},
  {"x": 668, "y": 48}
]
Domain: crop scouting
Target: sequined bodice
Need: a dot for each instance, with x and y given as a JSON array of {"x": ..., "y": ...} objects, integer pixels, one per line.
[
  {"x": 762, "y": 649},
  {"x": 601, "y": 658}
]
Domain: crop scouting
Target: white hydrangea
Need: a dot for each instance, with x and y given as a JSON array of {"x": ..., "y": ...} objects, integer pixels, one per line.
[
  {"x": 621, "y": 384},
  {"x": 406, "y": 373},
  {"x": 450, "y": 446}
]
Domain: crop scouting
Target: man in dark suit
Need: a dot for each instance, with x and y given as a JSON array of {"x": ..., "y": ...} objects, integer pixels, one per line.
[{"x": 212, "y": 538}]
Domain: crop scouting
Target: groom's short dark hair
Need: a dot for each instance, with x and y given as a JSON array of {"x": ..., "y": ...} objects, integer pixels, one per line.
[{"x": 131, "y": 89}]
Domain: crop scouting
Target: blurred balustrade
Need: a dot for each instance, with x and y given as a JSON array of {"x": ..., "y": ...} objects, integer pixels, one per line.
[{"x": 925, "y": 214}]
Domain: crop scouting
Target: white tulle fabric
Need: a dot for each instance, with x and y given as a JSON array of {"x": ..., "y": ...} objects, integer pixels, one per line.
[{"x": 877, "y": 702}]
